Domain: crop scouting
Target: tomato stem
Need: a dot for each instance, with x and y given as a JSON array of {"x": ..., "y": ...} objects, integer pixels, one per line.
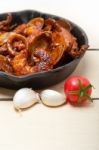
[{"x": 82, "y": 92}]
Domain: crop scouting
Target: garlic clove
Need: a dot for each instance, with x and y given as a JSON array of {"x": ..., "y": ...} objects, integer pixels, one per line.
[
  {"x": 25, "y": 98},
  {"x": 52, "y": 98}
]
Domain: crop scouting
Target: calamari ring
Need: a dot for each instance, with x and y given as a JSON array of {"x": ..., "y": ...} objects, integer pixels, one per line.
[{"x": 12, "y": 39}]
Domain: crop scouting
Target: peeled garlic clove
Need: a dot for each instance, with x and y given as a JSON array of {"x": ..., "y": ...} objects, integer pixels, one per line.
[
  {"x": 52, "y": 98},
  {"x": 25, "y": 98}
]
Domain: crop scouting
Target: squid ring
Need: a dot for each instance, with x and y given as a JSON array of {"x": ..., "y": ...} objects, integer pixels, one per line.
[{"x": 10, "y": 41}]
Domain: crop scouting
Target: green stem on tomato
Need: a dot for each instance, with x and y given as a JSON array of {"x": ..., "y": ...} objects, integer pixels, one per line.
[{"x": 82, "y": 92}]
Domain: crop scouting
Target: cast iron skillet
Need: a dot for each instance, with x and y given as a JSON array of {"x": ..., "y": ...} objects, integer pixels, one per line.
[{"x": 47, "y": 78}]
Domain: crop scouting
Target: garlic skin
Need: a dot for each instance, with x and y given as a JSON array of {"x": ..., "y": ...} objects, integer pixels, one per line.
[
  {"x": 52, "y": 98},
  {"x": 25, "y": 98}
]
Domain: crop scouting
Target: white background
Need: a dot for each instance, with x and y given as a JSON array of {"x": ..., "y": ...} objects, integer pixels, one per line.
[{"x": 83, "y": 12}]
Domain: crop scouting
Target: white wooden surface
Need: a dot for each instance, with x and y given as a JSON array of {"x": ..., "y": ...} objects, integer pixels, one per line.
[
  {"x": 64, "y": 128},
  {"x": 67, "y": 127}
]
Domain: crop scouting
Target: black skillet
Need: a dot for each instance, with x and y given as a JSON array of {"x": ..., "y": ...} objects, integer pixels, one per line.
[{"x": 42, "y": 79}]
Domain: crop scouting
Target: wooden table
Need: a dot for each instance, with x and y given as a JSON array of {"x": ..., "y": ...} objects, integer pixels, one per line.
[{"x": 44, "y": 128}]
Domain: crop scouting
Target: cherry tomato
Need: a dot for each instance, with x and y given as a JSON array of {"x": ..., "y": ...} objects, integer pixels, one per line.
[{"x": 78, "y": 90}]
